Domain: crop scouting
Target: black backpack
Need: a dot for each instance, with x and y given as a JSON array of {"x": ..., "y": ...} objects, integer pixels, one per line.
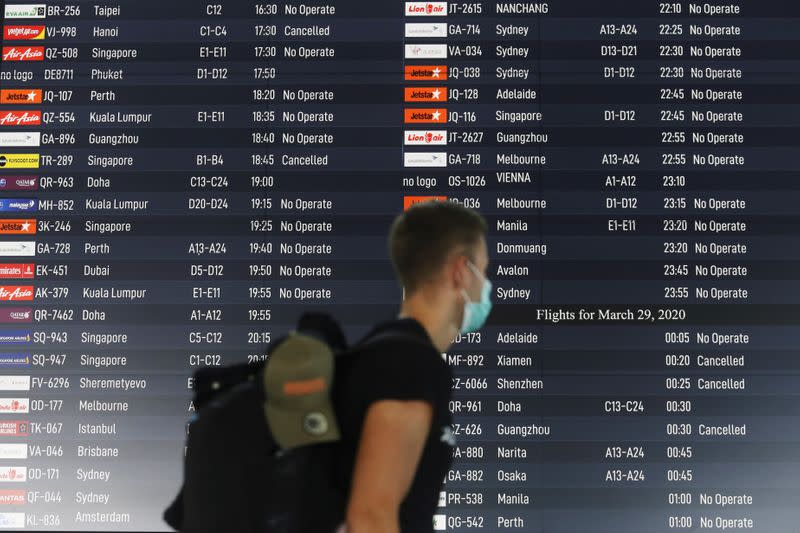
[{"x": 236, "y": 477}]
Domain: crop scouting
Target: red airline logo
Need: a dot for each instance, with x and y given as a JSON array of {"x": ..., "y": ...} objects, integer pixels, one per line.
[
  {"x": 23, "y": 33},
  {"x": 425, "y": 116},
  {"x": 17, "y": 270},
  {"x": 21, "y": 118},
  {"x": 29, "y": 53},
  {"x": 16, "y": 293},
  {"x": 13, "y": 428},
  {"x": 408, "y": 201},
  {"x": 426, "y": 94},
  {"x": 13, "y": 497},
  {"x": 426, "y": 73}
]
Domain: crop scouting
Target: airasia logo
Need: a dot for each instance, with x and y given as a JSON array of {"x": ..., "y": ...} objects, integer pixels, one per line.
[
  {"x": 31, "y": 53},
  {"x": 21, "y": 118},
  {"x": 15, "y": 293}
]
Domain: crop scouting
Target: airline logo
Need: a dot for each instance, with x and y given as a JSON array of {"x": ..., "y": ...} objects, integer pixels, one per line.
[
  {"x": 14, "y": 360},
  {"x": 13, "y": 428},
  {"x": 19, "y": 205},
  {"x": 19, "y": 183},
  {"x": 425, "y": 159},
  {"x": 15, "y": 315},
  {"x": 21, "y": 118},
  {"x": 425, "y": 94},
  {"x": 23, "y": 33},
  {"x": 21, "y": 96},
  {"x": 16, "y": 293},
  {"x": 426, "y": 9},
  {"x": 17, "y": 270},
  {"x": 12, "y": 520},
  {"x": 10, "y": 226},
  {"x": 440, "y": 522},
  {"x": 414, "y": 29},
  {"x": 425, "y": 116},
  {"x": 13, "y": 497},
  {"x": 442, "y": 499},
  {"x": 15, "y": 337},
  {"x": 408, "y": 201},
  {"x": 14, "y": 405},
  {"x": 18, "y": 248},
  {"x": 23, "y": 53},
  {"x": 426, "y": 51},
  {"x": 15, "y": 383},
  {"x": 20, "y": 139},
  {"x": 426, "y": 73},
  {"x": 19, "y": 161},
  {"x": 426, "y": 138},
  {"x": 13, "y": 474},
  {"x": 26, "y": 11}
]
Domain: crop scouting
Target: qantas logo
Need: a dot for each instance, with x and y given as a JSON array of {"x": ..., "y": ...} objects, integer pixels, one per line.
[
  {"x": 12, "y": 497},
  {"x": 13, "y": 293},
  {"x": 30, "y": 53},
  {"x": 21, "y": 118},
  {"x": 23, "y": 33}
]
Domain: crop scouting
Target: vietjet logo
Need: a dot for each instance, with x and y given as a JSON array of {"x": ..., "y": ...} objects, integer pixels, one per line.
[
  {"x": 23, "y": 33},
  {"x": 21, "y": 96},
  {"x": 21, "y": 118},
  {"x": 426, "y": 9},
  {"x": 14, "y": 293},
  {"x": 30, "y": 53},
  {"x": 425, "y": 94},
  {"x": 426, "y": 73},
  {"x": 17, "y": 227}
]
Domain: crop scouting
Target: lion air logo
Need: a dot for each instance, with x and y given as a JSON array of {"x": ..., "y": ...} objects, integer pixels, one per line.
[
  {"x": 14, "y": 405},
  {"x": 24, "y": 53},
  {"x": 426, "y": 9},
  {"x": 21, "y": 118}
]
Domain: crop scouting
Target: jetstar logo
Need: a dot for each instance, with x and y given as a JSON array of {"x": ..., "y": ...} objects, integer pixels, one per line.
[
  {"x": 426, "y": 9},
  {"x": 17, "y": 227},
  {"x": 15, "y": 293},
  {"x": 29, "y": 53},
  {"x": 408, "y": 201},
  {"x": 426, "y": 94},
  {"x": 21, "y": 96},
  {"x": 426, "y": 73},
  {"x": 17, "y": 270},
  {"x": 422, "y": 116},
  {"x": 21, "y": 118},
  {"x": 23, "y": 33}
]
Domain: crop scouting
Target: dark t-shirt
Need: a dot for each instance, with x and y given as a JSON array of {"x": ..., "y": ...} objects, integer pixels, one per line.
[{"x": 406, "y": 366}]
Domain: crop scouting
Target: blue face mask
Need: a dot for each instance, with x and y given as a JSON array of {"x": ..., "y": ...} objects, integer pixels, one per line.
[{"x": 475, "y": 313}]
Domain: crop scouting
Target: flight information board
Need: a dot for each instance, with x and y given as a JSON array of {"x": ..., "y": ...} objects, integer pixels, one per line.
[{"x": 180, "y": 179}]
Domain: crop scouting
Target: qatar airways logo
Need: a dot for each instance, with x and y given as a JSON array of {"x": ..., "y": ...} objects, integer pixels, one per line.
[
  {"x": 16, "y": 292},
  {"x": 21, "y": 118},
  {"x": 426, "y": 138},
  {"x": 426, "y": 9},
  {"x": 30, "y": 53}
]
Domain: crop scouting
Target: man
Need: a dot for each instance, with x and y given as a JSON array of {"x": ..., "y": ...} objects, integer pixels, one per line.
[{"x": 393, "y": 392}]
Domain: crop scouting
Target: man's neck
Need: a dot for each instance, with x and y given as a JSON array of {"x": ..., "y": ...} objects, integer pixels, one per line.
[{"x": 424, "y": 310}]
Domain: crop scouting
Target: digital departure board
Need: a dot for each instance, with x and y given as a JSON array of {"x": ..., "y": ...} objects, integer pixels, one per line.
[{"x": 181, "y": 179}]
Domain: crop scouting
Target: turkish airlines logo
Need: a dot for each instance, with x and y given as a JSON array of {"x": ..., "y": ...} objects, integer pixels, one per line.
[
  {"x": 426, "y": 138},
  {"x": 13, "y": 428},
  {"x": 422, "y": 116},
  {"x": 17, "y": 270},
  {"x": 14, "y": 405},
  {"x": 426, "y": 73},
  {"x": 23, "y": 33},
  {"x": 21, "y": 96},
  {"x": 425, "y": 94},
  {"x": 13, "y": 497},
  {"x": 426, "y": 9},
  {"x": 21, "y": 118},
  {"x": 15, "y": 293},
  {"x": 14, "y": 474},
  {"x": 17, "y": 226},
  {"x": 31, "y": 53}
]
